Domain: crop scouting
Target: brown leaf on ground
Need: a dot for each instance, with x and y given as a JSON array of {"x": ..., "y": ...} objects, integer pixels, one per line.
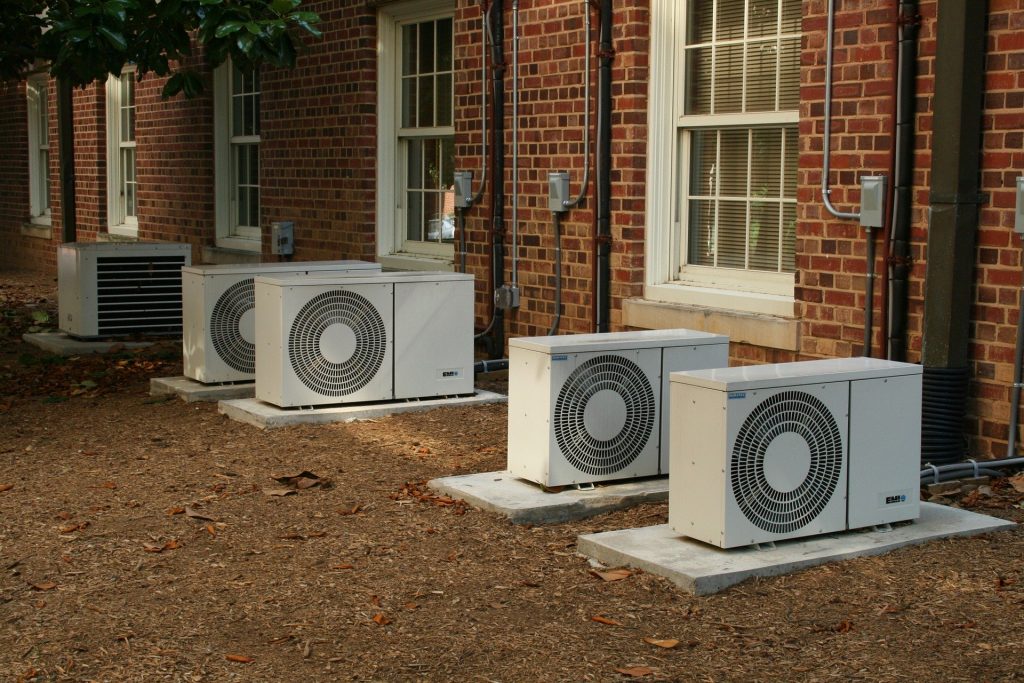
[
  {"x": 44, "y": 586},
  {"x": 667, "y": 644},
  {"x": 239, "y": 659},
  {"x": 342, "y": 566},
  {"x": 6, "y": 487},
  {"x": 176, "y": 511},
  {"x": 302, "y": 480},
  {"x": 74, "y": 527},
  {"x": 108, "y": 485},
  {"x": 1017, "y": 482},
  {"x": 192, "y": 514},
  {"x": 172, "y": 544},
  {"x": 605, "y": 620},
  {"x": 380, "y": 619},
  {"x": 636, "y": 671},
  {"x": 210, "y": 530},
  {"x": 351, "y": 511},
  {"x": 612, "y": 574},
  {"x": 280, "y": 492},
  {"x": 844, "y": 626}
]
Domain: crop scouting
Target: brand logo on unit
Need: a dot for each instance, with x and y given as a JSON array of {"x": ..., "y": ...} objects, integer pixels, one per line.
[
  {"x": 891, "y": 500},
  {"x": 450, "y": 373}
]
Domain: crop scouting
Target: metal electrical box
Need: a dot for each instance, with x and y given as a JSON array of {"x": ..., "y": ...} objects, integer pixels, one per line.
[
  {"x": 558, "y": 191},
  {"x": 282, "y": 238},
  {"x": 463, "y": 181},
  {"x": 872, "y": 201}
]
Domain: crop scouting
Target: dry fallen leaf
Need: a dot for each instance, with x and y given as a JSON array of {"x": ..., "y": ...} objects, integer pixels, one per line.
[
  {"x": 612, "y": 574},
  {"x": 240, "y": 659},
  {"x": 844, "y": 626},
  {"x": 342, "y": 566},
  {"x": 44, "y": 586},
  {"x": 411, "y": 605},
  {"x": 6, "y": 487},
  {"x": 280, "y": 492},
  {"x": 375, "y": 600},
  {"x": 192, "y": 514},
  {"x": 1016, "y": 481},
  {"x": 108, "y": 485},
  {"x": 176, "y": 511},
  {"x": 636, "y": 671},
  {"x": 172, "y": 544},
  {"x": 210, "y": 530},
  {"x": 73, "y": 527},
  {"x": 380, "y": 619},
  {"x": 667, "y": 644},
  {"x": 605, "y": 620}
]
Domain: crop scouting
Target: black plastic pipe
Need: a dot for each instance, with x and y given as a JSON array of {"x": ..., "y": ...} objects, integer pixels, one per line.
[
  {"x": 899, "y": 248},
  {"x": 603, "y": 232},
  {"x": 496, "y": 26},
  {"x": 556, "y": 222},
  {"x": 494, "y": 365}
]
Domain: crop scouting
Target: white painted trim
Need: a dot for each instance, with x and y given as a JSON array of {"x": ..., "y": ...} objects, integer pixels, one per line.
[
  {"x": 415, "y": 262},
  {"x": 37, "y": 215},
  {"x": 723, "y": 299},
  {"x": 228, "y": 236},
  {"x": 117, "y": 224}
]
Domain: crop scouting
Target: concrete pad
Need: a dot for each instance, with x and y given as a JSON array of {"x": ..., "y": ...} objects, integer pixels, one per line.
[
  {"x": 525, "y": 502},
  {"x": 190, "y": 391},
  {"x": 266, "y": 416},
  {"x": 703, "y": 569},
  {"x": 61, "y": 344}
]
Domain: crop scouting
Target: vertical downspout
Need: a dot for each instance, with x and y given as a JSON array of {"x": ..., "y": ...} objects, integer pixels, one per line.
[
  {"x": 66, "y": 151},
  {"x": 899, "y": 248},
  {"x": 603, "y": 232},
  {"x": 953, "y": 225},
  {"x": 496, "y": 25}
]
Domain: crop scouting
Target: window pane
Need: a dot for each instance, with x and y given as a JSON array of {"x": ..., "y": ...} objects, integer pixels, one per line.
[
  {"x": 237, "y": 114},
  {"x": 414, "y": 166},
  {"x": 128, "y": 174},
  {"x": 698, "y": 81},
  {"x": 788, "y": 237},
  {"x": 703, "y": 150},
  {"x": 789, "y": 74},
  {"x": 43, "y": 107},
  {"x": 733, "y": 163},
  {"x": 243, "y": 206},
  {"x": 763, "y": 18},
  {"x": 426, "y": 65},
  {"x": 790, "y": 16},
  {"x": 732, "y": 234},
  {"x": 254, "y": 207},
  {"x": 448, "y": 163},
  {"x": 432, "y": 210},
  {"x": 728, "y": 78},
  {"x": 765, "y": 162},
  {"x": 409, "y": 102},
  {"x": 702, "y": 242},
  {"x": 792, "y": 154},
  {"x": 414, "y": 224},
  {"x": 761, "y": 68},
  {"x": 764, "y": 236},
  {"x": 431, "y": 165},
  {"x": 730, "y": 19},
  {"x": 242, "y": 164},
  {"x": 700, "y": 15},
  {"x": 409, "y": 50},
  {"x": 44, "y": 180},
  {"x": 426, "y": 101},
  {"x": 444, "y": 100},
  {"x": 444, "y": 45}
]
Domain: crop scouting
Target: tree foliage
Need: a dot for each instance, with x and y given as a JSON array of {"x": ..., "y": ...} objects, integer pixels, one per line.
[{"x": 81, "y": 41}]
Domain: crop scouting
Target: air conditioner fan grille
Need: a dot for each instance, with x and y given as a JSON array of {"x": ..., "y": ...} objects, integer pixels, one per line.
[
  {"x": 580, "y": 448},
  {"x": 225, "y": 331},
  {"x": 308, "y": 362},
  {"x": 788, "y": 412}
]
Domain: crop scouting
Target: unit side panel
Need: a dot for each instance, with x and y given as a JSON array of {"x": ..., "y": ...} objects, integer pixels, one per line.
[
  {"x": 193, "y": 325},
  {"x": 833, "y": 400},
  {"x": 433, "y": 338},
  {"x": 680, "y": 358},
  {"x": 529, "y": 414},
  {"x": 69, "y": 294},
  {"x": 885, "y": 450},
  {"x": 697, "y": 452},
  {"x": 270, "y": 338}
]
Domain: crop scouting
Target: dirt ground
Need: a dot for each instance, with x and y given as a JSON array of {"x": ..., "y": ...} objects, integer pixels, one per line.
[{"x": 141, "y": 539}]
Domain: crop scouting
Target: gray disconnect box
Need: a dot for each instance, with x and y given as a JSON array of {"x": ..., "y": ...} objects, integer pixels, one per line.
[
  {"x": 558, "y": 191},
  {"x": 872, "y": 201},
  {"x": 282, "y": 238}
]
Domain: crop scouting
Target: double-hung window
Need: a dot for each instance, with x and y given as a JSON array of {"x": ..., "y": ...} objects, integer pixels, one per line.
[
  {"x": 122, "y": 185},
  {"x": 723, "y": 149},
  {"x": 237, "y": 157},
  {"x": 37, "y": 94},
  {"x": 417, "y": 135}
]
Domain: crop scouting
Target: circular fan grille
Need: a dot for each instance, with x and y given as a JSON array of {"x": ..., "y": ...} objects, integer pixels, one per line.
[
  {"x": 225, "y": 332},
  {"x": 787, "y": 413},
  {"x": 310, "y": 365},
  {"x": 585, "y": 451}
]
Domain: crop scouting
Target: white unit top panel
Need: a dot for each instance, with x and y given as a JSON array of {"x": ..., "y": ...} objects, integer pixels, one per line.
[
  {"x": 126, "y": 248},
  {"x": 291, "y": 280},
  {"x": 616, "y": 341},
  {"x": 794, "y": 374},
  {"x": 284, "y": 267}
]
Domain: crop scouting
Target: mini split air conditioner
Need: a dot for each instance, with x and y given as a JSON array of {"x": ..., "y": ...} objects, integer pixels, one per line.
[
  {"x": 586, "y": 408},
  {"x": 349, "y": 339},
  {"x": 110, "y": 289},
  {"x": 220, "y": 317},
  {"x": 795, "y": 449}
]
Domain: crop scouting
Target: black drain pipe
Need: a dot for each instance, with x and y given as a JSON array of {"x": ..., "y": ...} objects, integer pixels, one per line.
[
  {"x": 953, "y": 225},
  {"x": 899, "y": 247},
  {"x": 495, "y": 23},
  {"x": 603, "y": 232}
]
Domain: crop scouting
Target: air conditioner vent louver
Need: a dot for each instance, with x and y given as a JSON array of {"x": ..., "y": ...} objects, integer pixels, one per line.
[
  {"x": 342, "y": 315},
  {"x": 618, "y": 386},
  {"x": 794, "y": 413},
  {"x": 228, "y": 342},
  {"x": 138, "y": 293}
]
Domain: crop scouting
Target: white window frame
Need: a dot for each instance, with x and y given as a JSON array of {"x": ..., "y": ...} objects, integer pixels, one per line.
[
  {"x": 667, "y": 277},
  {"x": 38, "y": 176},
  {"x": 391, "y": 210},
  {"x": 118, "y": 221},
  {"x": 229, "y": 234}
]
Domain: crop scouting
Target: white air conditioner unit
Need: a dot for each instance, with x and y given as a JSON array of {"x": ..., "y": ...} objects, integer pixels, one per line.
[
  {"x": 110, "y": 289},
  {"x": 356, "y": 338},
  {"x": 588, "y": 407},
  {"x": 794, "y": 449},
  {"x": 219, "y": 316}
]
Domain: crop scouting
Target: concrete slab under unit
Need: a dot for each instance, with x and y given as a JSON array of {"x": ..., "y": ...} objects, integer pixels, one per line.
[
  {"x": 525, "y": 502},
  {"x": 266, "y": 416},
  {"x": 703, "y": 569},
  {"x": 61, "y": 344},
  {"x": 190, "y": 391}
]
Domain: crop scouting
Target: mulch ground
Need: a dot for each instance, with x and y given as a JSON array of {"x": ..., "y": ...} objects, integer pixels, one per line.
[{"x": 145, "y": 539}]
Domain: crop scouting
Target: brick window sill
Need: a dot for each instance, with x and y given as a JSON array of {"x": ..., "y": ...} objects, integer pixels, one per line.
[{"x": 41, "y": 231}]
